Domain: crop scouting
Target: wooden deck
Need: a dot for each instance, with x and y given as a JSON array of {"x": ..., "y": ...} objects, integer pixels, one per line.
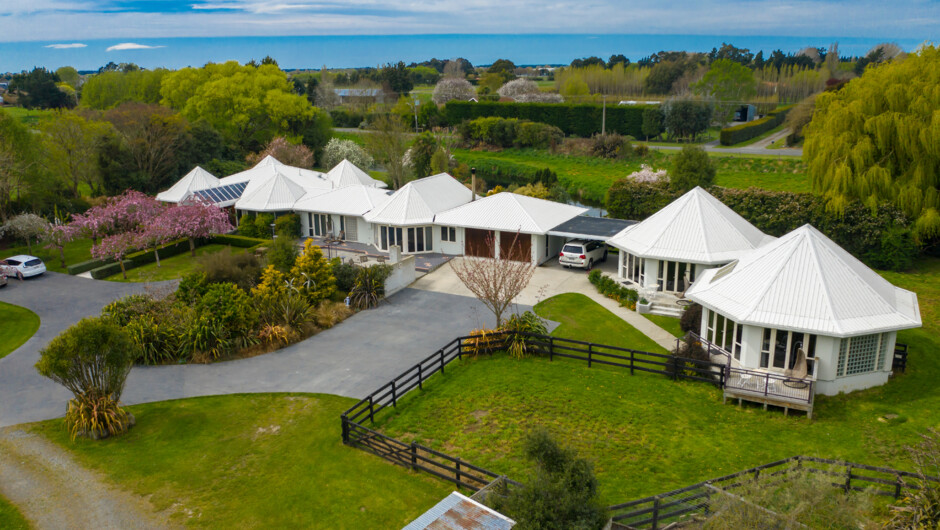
[{"x": 770, "y": 390}]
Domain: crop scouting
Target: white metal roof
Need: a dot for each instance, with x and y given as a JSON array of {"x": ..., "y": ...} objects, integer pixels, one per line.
[
  {"x": 348, "y": 174},
  {"x": 510, "y": 212},
  {"x": 197, "y": 179},
  {"x": 805, "y": 282},
  {"x": 459, "y": 512},
  {"x": 245, "y": 176},
  {"x": 695, "y": 228},
  {"x": 417, "y": 202},
  {"x": 351, "y": 200},
  {"x": 276, "y": 192}
]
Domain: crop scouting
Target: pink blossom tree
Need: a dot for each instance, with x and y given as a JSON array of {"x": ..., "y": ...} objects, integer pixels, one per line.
[
  {"x": 116, "y": 247},
  {"x": 123, "y": 213},
  {"x": 195, "y": 219},
  {"x": 59, "y": 235}
]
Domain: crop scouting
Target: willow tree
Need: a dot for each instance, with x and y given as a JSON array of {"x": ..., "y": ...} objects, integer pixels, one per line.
[{"x": 878, "y": 140}]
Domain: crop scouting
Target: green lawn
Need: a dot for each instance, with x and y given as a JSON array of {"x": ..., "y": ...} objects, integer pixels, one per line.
[
  {"x": 10, "y": 516},
  {"x": 591, "y": 177},
  {"x": 75, "y": 252},
  {"x": 29, "y": 117},
  {"x": 17, "y": 325},
  {"x": 584, "y": 319},
  {"x": 670, "y": 324},
  {"x": 169, "y": 269},
  {"x": 648, "y": 434},
  {"x": 255, "y": 461}
]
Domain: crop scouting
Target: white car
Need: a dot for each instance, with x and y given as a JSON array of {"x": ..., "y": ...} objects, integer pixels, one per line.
[
  {"x": 582, "y": 253},
  {"x": 26, "y": 265}
]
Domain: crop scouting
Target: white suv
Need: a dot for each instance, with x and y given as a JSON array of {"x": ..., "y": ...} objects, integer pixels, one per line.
[{"x": 583, "y": 254}]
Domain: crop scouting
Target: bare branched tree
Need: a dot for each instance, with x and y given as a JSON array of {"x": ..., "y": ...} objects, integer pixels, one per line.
[
  {"x": 388, "y": 144},
  {"x": 495, "y": 281}
]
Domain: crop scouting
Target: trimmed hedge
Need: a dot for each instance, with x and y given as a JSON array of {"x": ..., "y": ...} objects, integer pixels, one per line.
[
  {"x": 238, "y": 241},
  {"x": 753, "y": 129},
  {"x": 581, "y": 119},
  {"x": 85, "y": 266}
]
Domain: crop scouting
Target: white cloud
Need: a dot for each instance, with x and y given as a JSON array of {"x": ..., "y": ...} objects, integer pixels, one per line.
[
  {"x": 66, "y": 46},
  {"x": 131, "y": 46}
]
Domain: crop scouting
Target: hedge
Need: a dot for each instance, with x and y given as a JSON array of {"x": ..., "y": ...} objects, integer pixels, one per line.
[
  {"x": 238, "y": 241},
  {"x": 85, "y": 266},
  {"x": 752, "y": 129},
  {"x": 581, "y": 119},
  {"x": 502, "y": 173}
]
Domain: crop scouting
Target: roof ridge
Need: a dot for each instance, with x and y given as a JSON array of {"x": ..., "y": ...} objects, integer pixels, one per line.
[
  {"x": 825, "y": 285},
  {"x": 779, "y": 267},
  {"x": 525, "y": 210}
]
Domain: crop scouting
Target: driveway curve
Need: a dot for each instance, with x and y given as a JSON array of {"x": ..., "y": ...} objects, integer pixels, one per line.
[{"x": 350, "y": 359}]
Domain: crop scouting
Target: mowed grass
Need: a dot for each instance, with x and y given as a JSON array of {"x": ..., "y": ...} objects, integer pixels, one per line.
[
  {"x": 17, "y": 325},
  {"x": 590, "y": 177},
  {"x": 10, "y": 516},
  {"x": 670, "y": 324},
  {"x": 171, "y": 268},
  {"x": 255, "y": 461},
  {"x": 75, "y": 252},
  {"x": 647, "y": 434}
]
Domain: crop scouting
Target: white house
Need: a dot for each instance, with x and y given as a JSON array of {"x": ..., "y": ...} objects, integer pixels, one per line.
[
  {"x": 196, "y": 180},
  {"x": 505, "y": 218},
  {"x": 407, "y": 218},
  {"x": 671, "y": 248},
  {"x": 338, "y": 213},
  {"x": 804, "y": 292}
]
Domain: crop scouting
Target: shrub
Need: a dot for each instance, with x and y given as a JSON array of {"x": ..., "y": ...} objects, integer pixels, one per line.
[
  {"x": 282, "y": 254},
  {"x": 241, "y": 268},
  {"x": 369, "y": 288},
  {"x": 287, "y": 225},
  {"x": 509, "y": 132},
  {"x": 226, "y": 320},
  {"x": 641, "y": 150},
  {"x": 161, "y": 336},
  {"x": 289, "y": 310},
  {"x": 123, "y": 310},
  {"x": 630, "y": 199},
  {"x": 538, "y": 135},
  {"x": 613, "y": 290},
  {"x": 497, "y": 172},
  {"x": 582, "y": 119},
  {"x": 345, "y": 274},
  {"x": 263, "y": 222},
  {"x": 246, "y": 226},
  {"x": 518, "y": 325},
  {"x": 920, "y": 507},
  {"x": 752, "y": 129},
  {"x": 480, "y": 341},
  {"x": 330, "y": 313},
  {"x": 273, "y": 284},
  {"x": 690, "y": 168},
  {"x": 610, "y": 145},
  {"x": 312, "y": 274},
  {"x": 691, "y": 319},
  {"x": 337, "y": 150},
  {"x": 92, "y": 360},
  {"x": 346, "y": 117},
  {"x": 896, "y": 250},
  {"x": 686, "y": 119}
]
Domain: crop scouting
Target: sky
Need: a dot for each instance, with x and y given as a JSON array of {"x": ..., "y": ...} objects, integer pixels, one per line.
[{"x": 68, "y": 22}]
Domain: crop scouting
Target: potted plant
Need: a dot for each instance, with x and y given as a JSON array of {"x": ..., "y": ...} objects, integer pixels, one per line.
[{"x": 643, "y": 306}]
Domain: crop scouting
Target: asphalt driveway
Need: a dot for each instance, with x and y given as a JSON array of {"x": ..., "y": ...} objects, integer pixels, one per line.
[{"x": 350, "y": 359}]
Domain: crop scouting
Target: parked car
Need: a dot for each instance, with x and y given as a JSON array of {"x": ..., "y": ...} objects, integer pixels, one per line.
[
  {"x": 26, "y": 265},
  {"x": 3, "y": 281},
  {"x": 582, "y": 253}
]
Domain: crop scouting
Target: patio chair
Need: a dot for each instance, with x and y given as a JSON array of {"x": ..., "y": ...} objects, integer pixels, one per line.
[
  {"x": 363, "y": 258},
  {"x": 796, "y": 376},
  {"x": 380, "y": 259}
]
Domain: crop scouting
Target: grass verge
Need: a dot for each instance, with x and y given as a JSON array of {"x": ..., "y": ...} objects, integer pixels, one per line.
[
  {"x": 171, "y": 268},
  {"x": 10, "y": 516},
  {"x": 17, "y": 325},
  {"x": 670, "y": 324},
  {"x": 255, "y": 461},
  {"x": 648, "y": 434}
]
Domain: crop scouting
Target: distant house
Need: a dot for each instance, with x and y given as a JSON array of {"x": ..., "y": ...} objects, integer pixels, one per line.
[
  {"x": 360, "y": 95},
  {"x": 458, "y": 512},
  {"x": 4, "y": 87}
]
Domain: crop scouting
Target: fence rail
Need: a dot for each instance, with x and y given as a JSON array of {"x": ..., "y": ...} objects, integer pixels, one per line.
[{"x": 666, "y": 508}]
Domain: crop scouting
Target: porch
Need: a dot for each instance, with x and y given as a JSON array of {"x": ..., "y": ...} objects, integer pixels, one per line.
[{"x": 362, "y": 252}]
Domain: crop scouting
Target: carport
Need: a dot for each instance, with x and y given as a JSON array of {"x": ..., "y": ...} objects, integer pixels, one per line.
[{"x": 593, "y": 228}]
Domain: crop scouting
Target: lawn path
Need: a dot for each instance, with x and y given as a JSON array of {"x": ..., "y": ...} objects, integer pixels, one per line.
[{"x": 53, "y": 491}]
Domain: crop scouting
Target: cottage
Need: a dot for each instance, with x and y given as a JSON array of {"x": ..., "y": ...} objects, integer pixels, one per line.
[
  {"x": 671, "y": 248},
  {"x": 803, "y": 305}
]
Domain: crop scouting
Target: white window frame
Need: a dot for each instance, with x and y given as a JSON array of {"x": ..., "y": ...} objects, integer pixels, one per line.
[
  {"x": 847, "y": 356},
  {"x": 448, "y": 234},
  {"x": 789, "y": 352}
]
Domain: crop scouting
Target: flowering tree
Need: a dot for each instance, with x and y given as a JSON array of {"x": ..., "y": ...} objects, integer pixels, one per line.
[
  {"x": 452, "y": 88},
  {"x": 26, "y": 226},
  {"x": 517, "y": 87},
  {"x": 648, "y": 174},
  {"x": 337, "y": 150},
  {"x": 118, "y": 214},
  {"x": 154, "y": 235},
  {"x": 194, "y": 219},
  {"x": 286, "y": 152},
  {"x": 116, "y": 247},
  {"x": 57, "y": 236}
]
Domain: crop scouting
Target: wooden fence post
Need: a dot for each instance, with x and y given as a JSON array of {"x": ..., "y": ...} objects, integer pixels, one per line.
[
  {"x": 414, "y": 456},
  {"x": 420, "y": 377},
  {"x": 458, "y": 471},
  {"x": 675, "y": 367},
  {"x": 346, "y": 433},
  {"x": 897, "y": 488},
  {"x": 655, "y": 521},
  {"x": 631, "y": 361},
  {"x": 459, "y": 349},
  {"x": 394, "y": 394},
  {"x": 848, "y": 478},
  {"x": 551, "y": 348},
  {"x": 589, "y": 354},
  {"x": 371, "y": 410},
  {"x": 442, "y": 360}
]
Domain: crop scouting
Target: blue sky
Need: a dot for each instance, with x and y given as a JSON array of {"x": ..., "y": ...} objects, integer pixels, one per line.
[{"x": 70, "y": 21}]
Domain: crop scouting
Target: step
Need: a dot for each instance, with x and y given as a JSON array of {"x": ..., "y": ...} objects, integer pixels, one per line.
[{"x": 666, "y": 310}]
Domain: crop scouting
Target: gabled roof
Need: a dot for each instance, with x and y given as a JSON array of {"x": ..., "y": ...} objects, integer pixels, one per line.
[
  {"x": 509, "y": 212},
  {"x": 417, "y": 202},
  {"x": 805, "y": 282},
  {"x": 696, "y": 228},
  {"x": 352, "y": 200},
  {"x": 272, "y": 194},
  {"x": 347, "y": 174},
  {"x": 459, "y": 512},
  {"x": 197, "y": 179}
]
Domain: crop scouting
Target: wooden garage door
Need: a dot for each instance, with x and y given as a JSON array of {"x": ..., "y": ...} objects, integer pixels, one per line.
[
  {"x": 475, "y": 243},
  {"x": 517, "y": 247}
]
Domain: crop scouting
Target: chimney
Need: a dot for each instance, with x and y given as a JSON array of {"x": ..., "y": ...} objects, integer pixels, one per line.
[{"x": 473, "y": 184}]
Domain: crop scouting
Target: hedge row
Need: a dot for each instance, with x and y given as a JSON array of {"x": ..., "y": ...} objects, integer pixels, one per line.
[
  {"x": 581, "y": 119},
  {"x": 85, "y": 266},
  {"x": 502, "y": 173},
  {"x": 143, "y": 257},
  {"x": 746, "y": 131}
]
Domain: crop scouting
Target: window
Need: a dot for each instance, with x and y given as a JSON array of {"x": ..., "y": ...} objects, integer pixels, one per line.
[
  {"x": 779, "y": 348},
  {"x": 448, "y": 234},
  {"x": 428, "y": 239},
  {"x": 317, "y": 224},
  {"x": 389, "y": 236},
  {"x": 858, "y": 355}
]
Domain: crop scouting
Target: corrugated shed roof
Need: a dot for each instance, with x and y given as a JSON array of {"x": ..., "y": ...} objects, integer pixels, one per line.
[
  {"x": 458, "y": 512},
  {"x": 805, "y": 282},
  {"x": 276, "y": 193},
  {"x": 352, "y": 200},
  {"x": 420, "y": 200},
  {"x": 348, "y": 174},
  {"x": 197, "y": 179},
  {"x": 696, "y": 228},
  {"x": 509, "y": 212}
]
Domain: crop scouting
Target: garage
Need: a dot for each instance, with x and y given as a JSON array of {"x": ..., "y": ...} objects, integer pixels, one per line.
[
  {"x": 515, "y": 246},
  {"x": 478, "y": 243}
]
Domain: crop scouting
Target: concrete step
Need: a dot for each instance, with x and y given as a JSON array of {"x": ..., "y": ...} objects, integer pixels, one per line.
[{"x": 666, "y": 310}]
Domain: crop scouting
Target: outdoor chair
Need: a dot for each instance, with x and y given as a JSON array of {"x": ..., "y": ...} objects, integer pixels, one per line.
[
  {"x": 797, "y": 374},
  {"x": 380, "y": 259},
  {"x": 363, "y": 258}
]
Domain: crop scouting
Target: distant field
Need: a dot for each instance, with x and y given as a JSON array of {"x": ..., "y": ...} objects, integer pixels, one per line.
[{"x": 30, "y": 117}]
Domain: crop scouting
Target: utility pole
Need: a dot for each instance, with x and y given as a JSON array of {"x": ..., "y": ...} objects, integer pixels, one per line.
[
  {"x": 604, "y": 117},
  {"x": 416, "y": 114}
]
